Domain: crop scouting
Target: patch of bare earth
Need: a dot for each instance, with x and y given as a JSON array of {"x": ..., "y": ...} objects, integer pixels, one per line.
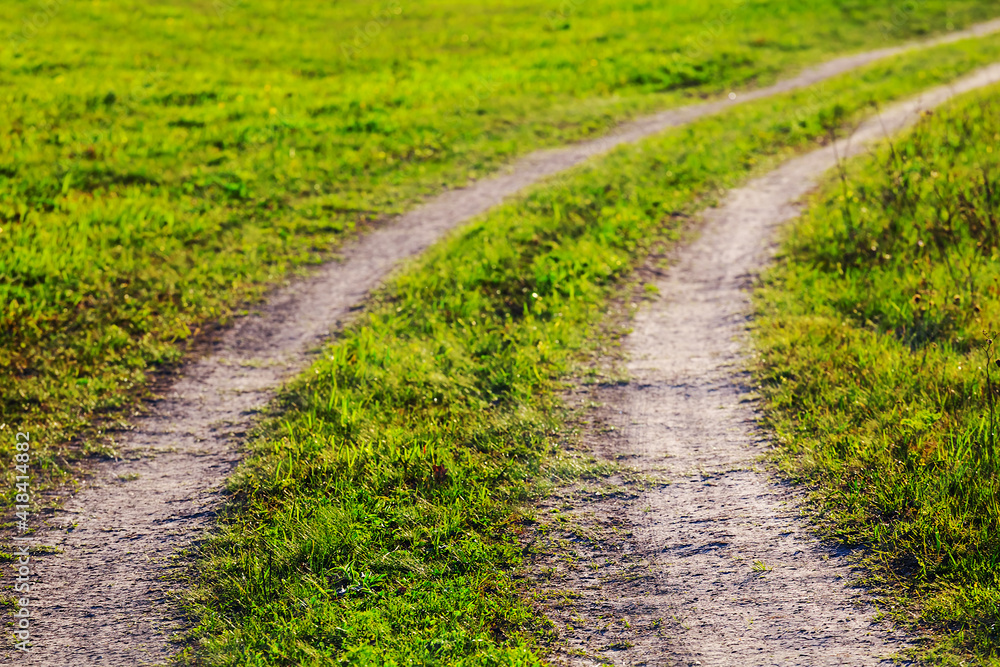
[{"x": 698, "y": 556}]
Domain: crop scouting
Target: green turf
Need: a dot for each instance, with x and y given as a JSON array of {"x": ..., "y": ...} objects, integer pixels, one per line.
[
  {"x": 879, "y": 369},
  {"x": 161, "y": 162},
  {"x": 376, "y": 521}
]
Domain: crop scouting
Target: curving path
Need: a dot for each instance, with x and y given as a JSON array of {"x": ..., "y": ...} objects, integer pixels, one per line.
[
  {"x": 105, "y": 597},
  {"x": 684, "y": 575}
]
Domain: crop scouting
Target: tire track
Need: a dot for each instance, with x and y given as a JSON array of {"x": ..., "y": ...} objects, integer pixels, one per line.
[
  {"x": 106, "y": 596},
  {"x": 722, "y": 549}
]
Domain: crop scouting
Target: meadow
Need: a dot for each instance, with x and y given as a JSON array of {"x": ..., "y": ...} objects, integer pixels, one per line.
[
  {"x": 163, "y": 163},
  {"x": 377, "y": 519},
  {"x": 880, "y": 370}
]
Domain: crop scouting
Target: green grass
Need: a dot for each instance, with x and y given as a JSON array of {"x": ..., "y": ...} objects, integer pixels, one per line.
[
  {"x": 879, "y": 368},
  {"x": 163, "y": 162},
  {"x": 376, "y": 520}
]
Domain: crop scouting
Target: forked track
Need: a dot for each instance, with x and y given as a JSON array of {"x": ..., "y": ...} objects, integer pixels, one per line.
[
  {"x": 684, "y": 416},
  {"x": 103, "y": 598}
]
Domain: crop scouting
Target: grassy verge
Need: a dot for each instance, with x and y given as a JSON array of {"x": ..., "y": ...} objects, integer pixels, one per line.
[
  {"x": 152, "y": 180},
  {"x": 879, "y": 367},
  {"x": 376, "y": 520}
]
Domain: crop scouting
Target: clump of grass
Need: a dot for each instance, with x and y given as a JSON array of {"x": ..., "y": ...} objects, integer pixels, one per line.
[
  {"x": 878, "y": 365},
  {"x": 377, "y": 518}
]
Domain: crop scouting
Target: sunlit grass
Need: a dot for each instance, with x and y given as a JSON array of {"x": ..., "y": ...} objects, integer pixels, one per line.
[
  {"x": 391, "y": 480},
  {"x": 879, "y": 366},
  {"x": 161, "y": 162}
]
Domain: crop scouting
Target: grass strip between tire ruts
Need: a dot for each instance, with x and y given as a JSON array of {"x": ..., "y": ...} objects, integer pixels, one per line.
[{"x": 376, "y": 520}]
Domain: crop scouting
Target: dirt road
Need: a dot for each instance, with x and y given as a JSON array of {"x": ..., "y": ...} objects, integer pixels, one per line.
[
  {"x": 106, "y": 597},
  {"x": 715, "y": 566}
]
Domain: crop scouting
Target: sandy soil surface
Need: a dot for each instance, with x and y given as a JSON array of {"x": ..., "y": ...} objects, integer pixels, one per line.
[
  {"x": 106, "y": 596},
  {"x": 711, "y": 563}
]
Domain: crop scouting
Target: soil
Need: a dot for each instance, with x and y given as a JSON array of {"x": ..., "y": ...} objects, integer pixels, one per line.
[
  {"x": 106, "y": 597},
  {"x": 710, "y": 560}
]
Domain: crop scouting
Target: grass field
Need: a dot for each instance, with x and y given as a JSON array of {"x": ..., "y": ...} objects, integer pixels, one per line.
[
  {"x": 377, "y": 520},
  {"x": 878, "y": 335},
  {"x": 161, "y": 163}
]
